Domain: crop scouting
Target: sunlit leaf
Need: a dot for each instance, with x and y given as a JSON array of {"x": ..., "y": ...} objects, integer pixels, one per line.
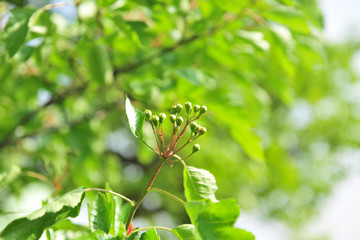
[
  {"x": 101, "y": 213},
  {"x": 150, "y": 234},
  {"x": 199, "y": 184},
  {"x": 186, "y": 232},
  {"x": 33, "y": 225}
]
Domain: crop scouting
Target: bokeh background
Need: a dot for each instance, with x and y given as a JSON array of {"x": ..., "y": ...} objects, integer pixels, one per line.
[{"x": 280, "y": 79}]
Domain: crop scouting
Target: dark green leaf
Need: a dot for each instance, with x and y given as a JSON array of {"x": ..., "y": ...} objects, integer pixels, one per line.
[
  {"x": 150, "y": 234},
  {"x": 199, "y": 184},
  {"x": 32, "y": 226},
  {"x": 101, "y": 213},
  {"x": 15, "y": 36},
  {"x": 186, "y": 232}
]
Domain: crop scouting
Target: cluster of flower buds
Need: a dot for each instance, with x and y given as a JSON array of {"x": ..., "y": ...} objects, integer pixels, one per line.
[{"x": 193, "y": 112}]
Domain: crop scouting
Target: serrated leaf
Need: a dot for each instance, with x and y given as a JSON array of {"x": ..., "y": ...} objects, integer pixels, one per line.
[
  {"x": 186, "y": 232},
  {"x": 136, "y": 119},
  {"x": 101, "y": 213},
  {"x": 215, "y": 221},
  {"x": 199, "y": 184},
  {"x": 32, "y": 226},
  {"x": 150, "y": 234}
]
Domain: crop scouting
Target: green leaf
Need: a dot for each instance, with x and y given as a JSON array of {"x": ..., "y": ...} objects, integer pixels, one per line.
[
  {"x": 16, "y": 29},
  {"x": 290, "y": 17},
  {"x": 67, "y": 225},
  {"x": 186, "y": 232},
  {"x": 150, "y": 234},
  {"x": 98, "y": 64},
  {"x": 9, "y": 175},
  {"x": 136, "y": 119},
  {"x": 15, "y": 36},
  {"x": 215, "y": 221},
  {"x": 101, "y": 213},
  {"x": 199, "y": 184},
  {"x": 32, "y": 226},
  {"x": 100, "y": 235},
  {"x": 192, "y": 75}
]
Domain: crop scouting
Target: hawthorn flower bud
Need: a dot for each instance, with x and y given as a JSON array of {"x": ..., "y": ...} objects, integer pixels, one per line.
[
  {"x": 202, "y": 130},
  {"x": 178, "y": 107},
  {"x": 196, "y": 108},
  {"x": 179, "y": 121},
  {"x": 155, "y": 120},
  {"x": 162, "y": 117},
  {"x": 188, "y": 107},
  {"x": 173, "y": 109},
  {"x": 172, "y": 118},
  {"x": 203, "y": 109},
  {"x": 196, "y": 148},
  {"x": 193, "y": 126},
  {"x": 148, "y": 114}
]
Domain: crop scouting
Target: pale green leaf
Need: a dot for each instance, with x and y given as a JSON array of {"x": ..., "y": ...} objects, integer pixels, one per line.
[
  {"x": 186, "y": 232},
  {"x": 199, "y": 184},
  {"x": 136, "y": 119}
]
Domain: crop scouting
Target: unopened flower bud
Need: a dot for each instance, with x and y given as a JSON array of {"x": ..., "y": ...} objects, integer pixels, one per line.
[
  {"x": 179, "y": 107},
  {"x": 155, "y": 120},
  {"x": 172, "y": 118},
  {"x": 179, "y": 121},
  {"x": 193, "y": 126},
  {"x": 148, "y": 114},
  {"x": 188, "y": 107},
  {"x": 203, "y": 109},
  {"x": 196, "y": 108},
  {"x": 202, "y": 130},
  {"x": 196, "y": 148},
  {"x": 173, "y": 109},
  {"x": 162, "y": 117}
]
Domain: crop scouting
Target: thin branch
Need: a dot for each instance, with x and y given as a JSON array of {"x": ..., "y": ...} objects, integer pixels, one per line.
[
  {"x": 182, "y": 202},
  {"x": 108, "y": 191}
]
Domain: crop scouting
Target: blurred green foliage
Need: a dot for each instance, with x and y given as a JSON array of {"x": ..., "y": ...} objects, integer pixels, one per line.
[{"x": 280, "y": 108}]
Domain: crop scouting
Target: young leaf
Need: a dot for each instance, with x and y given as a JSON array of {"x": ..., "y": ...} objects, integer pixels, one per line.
[
  {"x": 215, "y": 221},
  {"x": 199, "y": 184},
  {"x": 101, "y": 213},
  {"x": 136, "y": 119},
  {"x": 186, "y": 232},
  {"x": 150, "y": 234},
  {"x": 32, "y": 226}
]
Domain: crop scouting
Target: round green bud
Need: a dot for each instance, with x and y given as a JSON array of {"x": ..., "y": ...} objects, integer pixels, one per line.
[
  {"x": 196, "y": 108},
  {"x": 148, "y": 114},
  {"x": 202, "y": 130},
  {"x": 172, "y": 118},
  {"x": 196, "y": 148},
  {"x": 179, "y": 121},
  {"x": 173, "y": 109},
  {"x": 179, "y": 107},
  {"x": 162, "y": 117},
  {"x": 155, "y": 120},
  {"x": 193, "y": 126},
  {"x": 188, "y": 107},
  {"x": 203, "y": 109}
]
